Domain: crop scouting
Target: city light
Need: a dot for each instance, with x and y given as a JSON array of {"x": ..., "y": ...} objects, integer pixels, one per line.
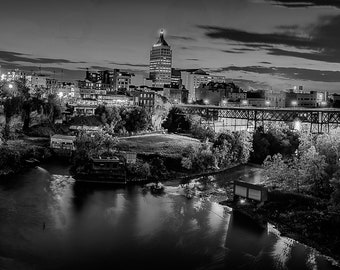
[
  {"x": 323, "y": 103},
  {"x": 224, "y": 102},
  {"x": 297, "y": 125},
  {"x": 267, "y": 102},
  {"x": 10, "y": 86},
  {"x": 60, "y": 94},
  {"x": 242, "y": 201},
  {"x": 294, "y": 103},
  {"x": 244, "y": 102},
  {"x": 206, "y": 101}
]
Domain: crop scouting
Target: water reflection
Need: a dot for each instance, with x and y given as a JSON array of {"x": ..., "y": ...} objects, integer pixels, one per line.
[{"x": 101, "y": 227}]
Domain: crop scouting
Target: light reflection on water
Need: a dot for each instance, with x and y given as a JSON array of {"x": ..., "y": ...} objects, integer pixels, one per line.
[{"x": 90, "y": 227}]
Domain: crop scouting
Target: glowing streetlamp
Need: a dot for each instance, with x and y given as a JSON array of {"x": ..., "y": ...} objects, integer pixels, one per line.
[
  {"x": 224, "y": 102},
  {"x": 206, "y": 102},
  {"x": 323, "y": 103},
  {"x": 245, "y": 102},
  {"x": 297, "y": 125},
  {"x": 267, "y": 102},
  {"x": 10, "y": 86},
  {"x": 294, "y": 103}
]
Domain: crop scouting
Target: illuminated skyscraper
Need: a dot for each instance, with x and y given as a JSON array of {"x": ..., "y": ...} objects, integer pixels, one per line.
[{"x": 160, "y": 62}]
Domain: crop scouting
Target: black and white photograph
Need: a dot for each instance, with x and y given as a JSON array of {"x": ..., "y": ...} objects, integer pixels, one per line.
[{"x": 170, "y": 134}]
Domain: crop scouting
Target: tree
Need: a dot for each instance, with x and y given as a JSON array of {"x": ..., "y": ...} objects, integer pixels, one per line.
[
  {"x": 281, "y": 174},
  {"x": 312, "y": 167},
  {"x": 52, "y": 108},
  {"x": 114, "y": 117},
  {"x": 136, "y": 119},
  {"x": 198, "y": 158},
  {"x": 202, "y": 132},
  {"x": 5, "y": 133},
  {"x": 176, "y": 121},
  {"x": 276, "y": 139},
  {"x": 102, "y": 113},
  {"x": 335, "y": 195}
]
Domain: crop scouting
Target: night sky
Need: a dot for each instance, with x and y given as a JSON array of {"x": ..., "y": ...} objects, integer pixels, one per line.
[{"x": 256, "y": 43}]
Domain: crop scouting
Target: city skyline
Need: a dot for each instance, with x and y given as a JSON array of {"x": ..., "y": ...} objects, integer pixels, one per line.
[{"x": 295, "y": 44}]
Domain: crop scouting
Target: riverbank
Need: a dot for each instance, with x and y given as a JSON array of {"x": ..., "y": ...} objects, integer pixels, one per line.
[
  {"x": 303, "y": 218},
  {"x": 18, "y": 155}
]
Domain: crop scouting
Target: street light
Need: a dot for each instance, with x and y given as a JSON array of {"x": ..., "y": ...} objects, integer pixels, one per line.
[
  {"x": 267, "y": 102},
  {"x": 323, "y": 103},
  {"x": 224, "y": 102},
  {"x": 245, "y": 102},
  {"x": 10, "y": 86},
  {"x": 206, "y": 102},
  {"x": 294, "y": 103},
  {"x": 297, "y": 125}
]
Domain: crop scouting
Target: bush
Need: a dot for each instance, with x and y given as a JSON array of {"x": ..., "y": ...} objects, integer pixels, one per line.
[
  {"x": 202, "y": 132},
  {"x": 198, "y": 158},
  {"x": 139, "y": 169}
]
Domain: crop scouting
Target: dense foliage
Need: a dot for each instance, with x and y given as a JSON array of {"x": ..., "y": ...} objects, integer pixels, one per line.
[
  {"x": 228, "y": 148},
  {"x": 313, "y": 169},
  {"x": 122, "y": 120},
  {"x": 275, "y": 139},
  {"x": 21, "y": 101},
  {"x": 176, "y": 121}
]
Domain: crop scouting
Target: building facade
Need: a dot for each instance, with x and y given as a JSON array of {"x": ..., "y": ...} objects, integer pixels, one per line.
[
  {"x": 175, "y": 93},
  {"x": 313, "y": 99},
  {"x": 275, "y": 99},
  {"x": 160, "y": 62},
  {"x": 214, "y": 93},
  {"x": 145, "y": 99},
  {"x": 193, "y": 78}
]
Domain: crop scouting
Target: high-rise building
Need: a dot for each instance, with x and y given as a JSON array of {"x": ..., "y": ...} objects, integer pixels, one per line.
[{"x": 160, "y": 62}]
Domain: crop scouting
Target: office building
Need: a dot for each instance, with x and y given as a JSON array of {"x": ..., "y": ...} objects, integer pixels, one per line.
[{"x": 160, "y": 62}]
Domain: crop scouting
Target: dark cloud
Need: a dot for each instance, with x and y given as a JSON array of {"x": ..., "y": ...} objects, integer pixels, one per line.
[
  {"x": 129, "y": 64},
  {"x": 8, "y": 56},
  {"x": 318, "y": 56},
  {"x": 239, "y": 50},
  {"x": 321, "y": 42},
  {"x": 181, "y": 38},
  {"x": 245, "y": 84},
  {"x": 288, "y": 73},
  {"x": 215, "y": 32},
  {"x": 230, "y": 51},
  {"x": 288, "y": 27},
  {"x": 306, "y": 3}
]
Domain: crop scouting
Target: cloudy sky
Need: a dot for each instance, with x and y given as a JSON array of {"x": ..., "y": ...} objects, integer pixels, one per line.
[{"x": 256, "y": 43}]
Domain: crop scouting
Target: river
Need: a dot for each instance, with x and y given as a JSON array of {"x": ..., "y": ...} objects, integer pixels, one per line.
[{"x": 47, "y": 221}]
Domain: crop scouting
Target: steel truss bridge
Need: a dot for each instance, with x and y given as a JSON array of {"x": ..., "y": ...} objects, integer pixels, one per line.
[{"x": 320, "y": 120}]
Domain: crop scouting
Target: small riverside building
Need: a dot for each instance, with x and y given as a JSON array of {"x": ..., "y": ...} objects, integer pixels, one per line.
[
  {"x": 104, "y": 170},
  {"x": 62, "y": 144}
]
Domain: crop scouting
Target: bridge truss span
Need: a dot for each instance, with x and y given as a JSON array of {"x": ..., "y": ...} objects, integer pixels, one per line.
[{"x": 320, "y": 120}]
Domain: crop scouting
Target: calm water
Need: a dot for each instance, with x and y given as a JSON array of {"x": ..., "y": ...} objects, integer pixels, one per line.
[{"x": 47, "y": 221}]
